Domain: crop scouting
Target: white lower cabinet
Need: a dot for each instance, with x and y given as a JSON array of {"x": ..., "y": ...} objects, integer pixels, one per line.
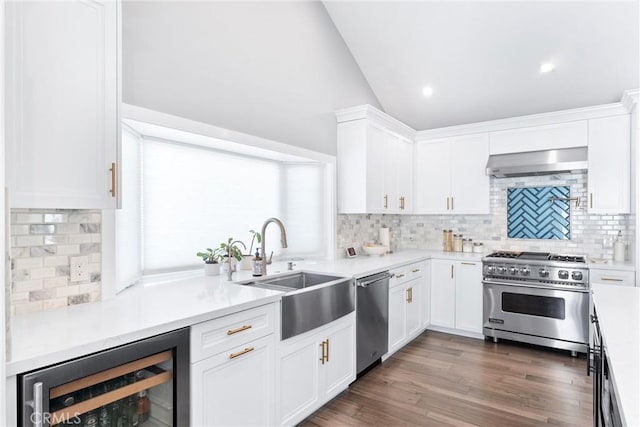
[
  {"x": 313, "y": 368},
  {"x": 405, "y": 305},
  {"x": 232, "y": 382},
  {"x": 235, "y": 387},
  {"x": 456, "y": 295}
]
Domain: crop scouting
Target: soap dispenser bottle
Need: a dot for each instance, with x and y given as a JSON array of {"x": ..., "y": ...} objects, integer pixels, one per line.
[
  {"x": 619, "y": 248},
  {"x": 257, "y": 264}
]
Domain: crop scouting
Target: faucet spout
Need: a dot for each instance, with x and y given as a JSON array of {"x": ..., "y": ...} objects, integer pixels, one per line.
[{"x": 263, "y": 246}]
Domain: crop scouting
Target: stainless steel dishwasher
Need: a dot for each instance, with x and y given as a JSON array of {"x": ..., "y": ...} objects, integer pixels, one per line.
[{"x": 372, "y": 314}]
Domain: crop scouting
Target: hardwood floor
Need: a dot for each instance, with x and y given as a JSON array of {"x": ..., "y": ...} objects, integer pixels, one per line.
[{"x": 442, "y": 379}]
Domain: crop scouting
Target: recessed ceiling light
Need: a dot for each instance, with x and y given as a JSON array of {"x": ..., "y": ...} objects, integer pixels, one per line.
[
  {"x": 427, "y": 91},
  {"x": 547, "y": 67}
]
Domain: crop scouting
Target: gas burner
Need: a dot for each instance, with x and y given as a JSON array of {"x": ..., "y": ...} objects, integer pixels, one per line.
[
  {"x": 504, "y": 254},
  {"x": 568, "y": 258}
]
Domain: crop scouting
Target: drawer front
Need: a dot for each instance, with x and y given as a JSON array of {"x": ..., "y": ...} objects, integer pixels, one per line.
[
  {"x": 218, "y": 335},
  {"x": 613, "y": 277},
  {"x": 406, "y": 273}
]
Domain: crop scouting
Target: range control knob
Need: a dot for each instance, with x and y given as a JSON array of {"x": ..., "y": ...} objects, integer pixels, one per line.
[
  {"x": 563, "y": 274},
  {"x": 576, "y": 275},
  {"x": 491, "y": 269},
  {"x": 502, "y": 270},
  {"x": 543, "y": 272},
  {"x": 513, "y": 271},
  {"x": 525, "y": 271}
]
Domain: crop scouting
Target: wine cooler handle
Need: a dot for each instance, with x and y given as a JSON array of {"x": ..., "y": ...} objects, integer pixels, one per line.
[
  {"x": 589, "y": 360},
  {"x": 36, "y": 404}
]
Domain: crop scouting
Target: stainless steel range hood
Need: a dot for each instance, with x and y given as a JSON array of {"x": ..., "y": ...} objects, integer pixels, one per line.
[{"x": 545, "y": 162}]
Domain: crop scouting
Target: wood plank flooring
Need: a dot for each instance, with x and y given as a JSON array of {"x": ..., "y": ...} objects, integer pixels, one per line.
[{"x": 446, "y": 380}]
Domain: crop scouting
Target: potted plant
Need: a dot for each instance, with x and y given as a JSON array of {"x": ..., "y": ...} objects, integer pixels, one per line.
[
  {"x": 232, "y": 251},
  {"x": 245, "y": 264},
  {"x": 211, "y": 258}
]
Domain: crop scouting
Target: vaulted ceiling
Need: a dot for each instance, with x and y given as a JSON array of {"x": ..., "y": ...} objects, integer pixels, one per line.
[{"x": 482, "y": 59}]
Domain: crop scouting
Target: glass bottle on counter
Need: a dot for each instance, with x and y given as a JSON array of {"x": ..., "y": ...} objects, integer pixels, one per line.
[
  {"x": 467, "y": 245},
  {"x": 447, "y": 240},
  {"x": 457, "y": 242}
]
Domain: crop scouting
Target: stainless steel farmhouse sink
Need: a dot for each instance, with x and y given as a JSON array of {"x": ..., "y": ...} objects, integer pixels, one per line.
[{"x": 311, "y": 299}]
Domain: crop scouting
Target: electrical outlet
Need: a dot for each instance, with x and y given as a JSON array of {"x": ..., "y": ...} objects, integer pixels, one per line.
[{"x": 78, "y": 268}]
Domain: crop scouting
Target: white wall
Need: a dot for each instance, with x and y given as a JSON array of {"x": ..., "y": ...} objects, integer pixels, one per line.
[
  {"x": 3, "y": 291},
  {"x": 272, "y": 69}
]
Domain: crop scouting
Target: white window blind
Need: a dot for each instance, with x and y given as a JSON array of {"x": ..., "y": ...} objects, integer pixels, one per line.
[
  {"x": 304, "y": 208},
  {"x": 128, "y": 219},
  {"x": 195, "y": 198},
  {"x": 181, "y": 198}
]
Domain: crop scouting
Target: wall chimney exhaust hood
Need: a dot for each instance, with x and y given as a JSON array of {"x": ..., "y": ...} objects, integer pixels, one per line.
[{"x": 530, "y": 163}]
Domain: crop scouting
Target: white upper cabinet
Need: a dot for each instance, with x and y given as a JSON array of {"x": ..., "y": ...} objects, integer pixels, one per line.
[
  {"x": 450, "y": 175},
  {"x": 374, "y": 164},
  {"x": 536, "y": 138},
  {"x": 609, "y": 165},
  {"x": 62, "y": 103}
]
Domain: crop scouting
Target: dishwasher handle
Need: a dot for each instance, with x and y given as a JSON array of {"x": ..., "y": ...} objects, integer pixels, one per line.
[{"x": 370, "y": 280}]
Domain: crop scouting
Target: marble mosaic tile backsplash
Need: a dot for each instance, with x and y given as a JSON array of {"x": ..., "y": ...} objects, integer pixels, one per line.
[
  {"x": 592, "y": 235},
  {"x": 42, "y": 242}
]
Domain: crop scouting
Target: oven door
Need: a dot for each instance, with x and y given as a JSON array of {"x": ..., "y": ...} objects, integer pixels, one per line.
[{"x": 550, "y": 313}]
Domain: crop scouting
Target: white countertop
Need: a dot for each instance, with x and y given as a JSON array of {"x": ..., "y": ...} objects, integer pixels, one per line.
[
  {"x": 611, "y": 265},
  {"x": 46, "y": 338},
  {"x": 618, "y": 309}
]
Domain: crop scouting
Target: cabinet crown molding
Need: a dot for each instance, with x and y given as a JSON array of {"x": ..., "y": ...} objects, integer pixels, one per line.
[
  {"x": 370, "y": 112},
  {"x": 575, "y": 114}
]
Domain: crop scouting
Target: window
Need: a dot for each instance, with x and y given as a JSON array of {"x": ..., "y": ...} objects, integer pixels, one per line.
[{"x": 180, "y": 198}]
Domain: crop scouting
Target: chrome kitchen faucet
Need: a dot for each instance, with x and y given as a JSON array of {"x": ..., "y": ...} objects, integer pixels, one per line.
[{"x": 263, "y": 247}]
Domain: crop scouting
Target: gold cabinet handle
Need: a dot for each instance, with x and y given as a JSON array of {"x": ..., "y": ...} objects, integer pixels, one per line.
[
  {"x": 607, "y": 279},
  {"x": 240, "y": 329},
  {"x": 468, "y": 263},
  {"x": 386, "y": 200},
  {"x": 409, "y": 295},
  {"x": 591, "y": 200},
  {"x": 447, "y": 203},
  {"x": 240, "y": 353},
  {"x": 400, "y": 275},
  {"x": 452, "y": 271},
  {"x": 415, "y": 270},
  {"x": 327, "y": 350},
  {"x": 324, "y": 351},
  {"x": 451, "y": 202},
  {"x": 113, "y": 180}
]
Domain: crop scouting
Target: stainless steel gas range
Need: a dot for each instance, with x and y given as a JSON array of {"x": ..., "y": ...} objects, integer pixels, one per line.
[{"x": 538, "y": 298}]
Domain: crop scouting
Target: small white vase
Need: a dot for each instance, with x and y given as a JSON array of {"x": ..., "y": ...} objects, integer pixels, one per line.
[{"x": 211, "y": 269}]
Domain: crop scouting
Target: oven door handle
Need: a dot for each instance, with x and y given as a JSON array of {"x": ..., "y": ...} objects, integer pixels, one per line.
[{"x": 533, "y": 285}]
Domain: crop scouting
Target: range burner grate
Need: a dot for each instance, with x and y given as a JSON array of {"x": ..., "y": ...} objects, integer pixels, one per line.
[{"x": 568, "y": 258}]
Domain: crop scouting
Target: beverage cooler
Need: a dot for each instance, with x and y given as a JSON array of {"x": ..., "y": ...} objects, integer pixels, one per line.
[{"x": 145, "y": 383}]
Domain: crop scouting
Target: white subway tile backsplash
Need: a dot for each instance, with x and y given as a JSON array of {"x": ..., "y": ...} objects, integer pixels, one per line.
[
  {"x": 41, "y": 273},
  {"x": 592, "y": 235},
  {"x": 27, "y": 263},
  {"x": 29, "y": 240},
  {"x": 41, "y": 242},
  {"x": 27, "y": 218},
  {"x": 27, "y": 285},
  {"x": 68, "y": 249}
]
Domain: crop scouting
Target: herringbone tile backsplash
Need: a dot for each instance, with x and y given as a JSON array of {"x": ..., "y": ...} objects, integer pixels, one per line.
[
  {"x": 539, "y": 213},
  {"x": 592, "y": 235}
]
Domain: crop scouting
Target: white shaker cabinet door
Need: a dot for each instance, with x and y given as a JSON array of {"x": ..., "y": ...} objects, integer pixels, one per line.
[
  {"x": 469, "y": 181},
  {"x": 469, "y": 296},
  {"x": 432, "y": 165},
  {"x": 609, "y": 165},
  {"x": 62, "y": 104},
  {"x": 443, "y": 293},
  {"x": 340, "y": 368},
  {"x": 378, "y": 197},
  {"x": 397, "y": 318},
  {"x": 403, "y": 174},
  {"x": 413, "y": 294},
  {"x": 235, "y": 388}
]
